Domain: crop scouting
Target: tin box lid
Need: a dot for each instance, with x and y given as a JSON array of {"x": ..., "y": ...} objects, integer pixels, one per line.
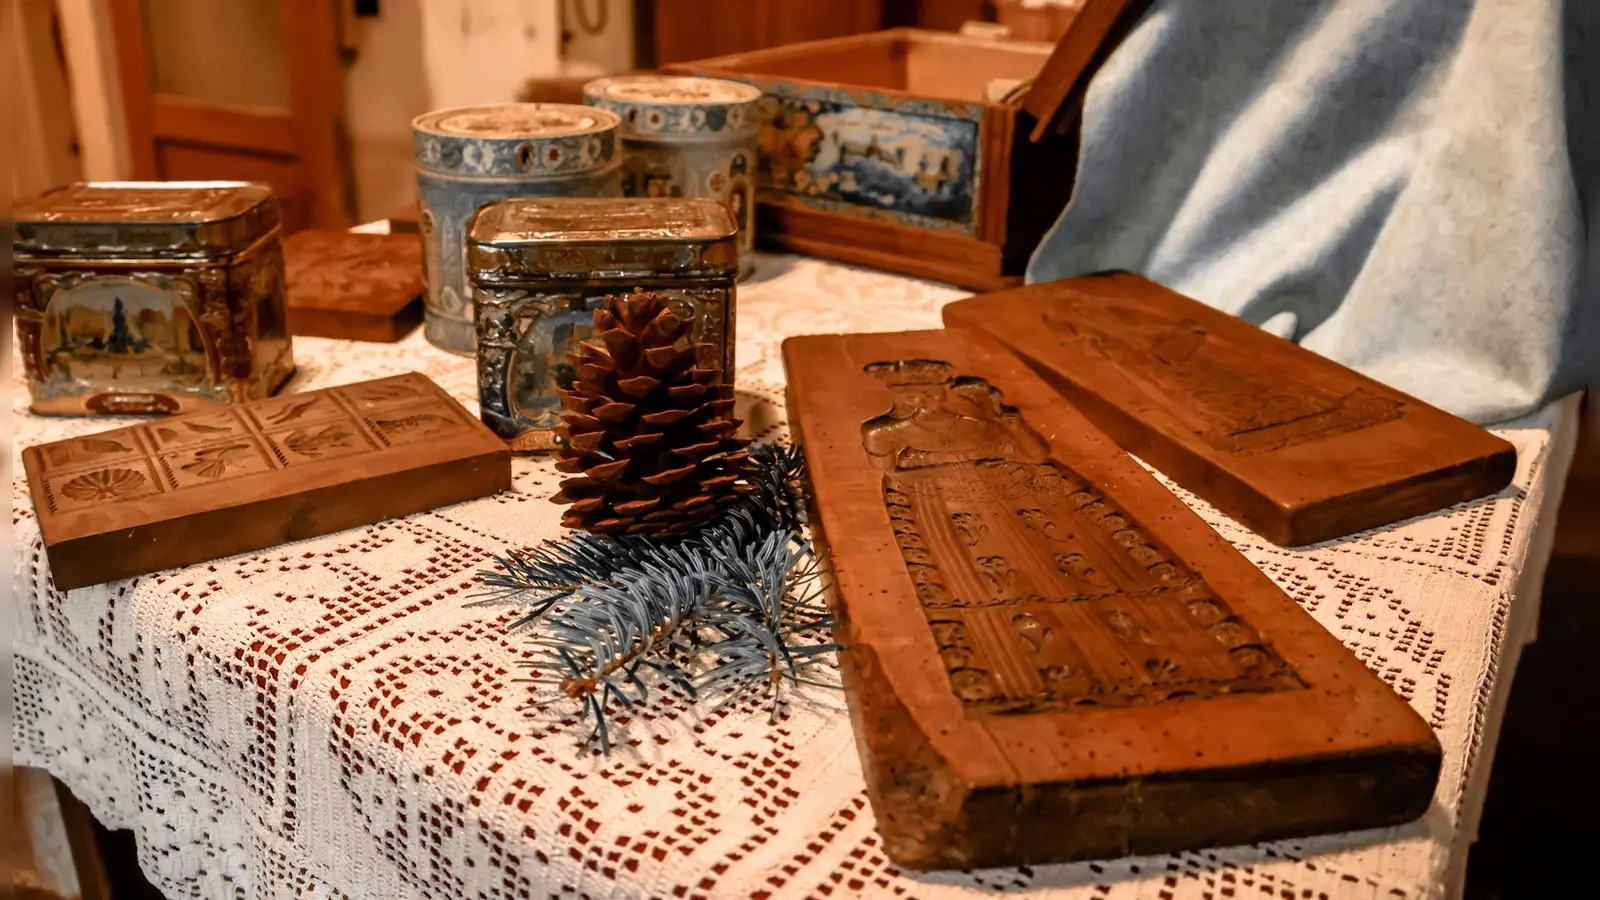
[
  {"x": 601, "y": 238},
  {"x": 515, "y": 140},
  {"x": 152, "y": 218},
  {"x": 677, "y": 106}
]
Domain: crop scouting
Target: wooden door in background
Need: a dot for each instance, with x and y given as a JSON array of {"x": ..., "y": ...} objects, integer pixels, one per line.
[
  {"x": 243, "y": 90},
  {"x": 689, "y": 30}
]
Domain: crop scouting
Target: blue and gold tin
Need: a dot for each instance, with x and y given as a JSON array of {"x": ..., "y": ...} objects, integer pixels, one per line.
[
  {"x": 540, "y": 268},
  {"x": 470, "y": 157},
  {"x": 150, "y": 297},
  {"x": 688, "y": 137}
]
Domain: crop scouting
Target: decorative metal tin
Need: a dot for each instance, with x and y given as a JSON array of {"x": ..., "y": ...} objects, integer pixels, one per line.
[
  {"x": 688, "y": 137},
  {"x": 150, "y": 297},
  {"x": 539, "y": 268},
  {"x": 469, "y": 157}
]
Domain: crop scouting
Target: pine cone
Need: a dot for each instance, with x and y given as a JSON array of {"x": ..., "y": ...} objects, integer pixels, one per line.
[{"x": 649, "y": 425}]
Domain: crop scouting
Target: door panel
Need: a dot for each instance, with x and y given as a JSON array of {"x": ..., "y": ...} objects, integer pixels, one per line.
[
  {"x": 227, "y": 53},
  {"x": 246, "y": 90}
]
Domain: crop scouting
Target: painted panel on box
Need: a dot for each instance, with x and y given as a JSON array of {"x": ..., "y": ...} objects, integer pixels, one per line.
[
  {"x": 913, "y": 162},
  {"x": 115, "y": 333}
]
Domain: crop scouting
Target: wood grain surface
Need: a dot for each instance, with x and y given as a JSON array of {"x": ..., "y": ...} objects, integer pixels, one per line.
[
  {"x": 1048, "y": 656},
  {"x": 194, "y": 488},
  {"x": 360, "y": 287},
  {"x": 1296, "y": 447}
]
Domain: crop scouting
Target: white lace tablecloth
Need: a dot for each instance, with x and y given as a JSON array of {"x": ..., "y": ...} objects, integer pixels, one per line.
[{"x": 329, "y": 718}]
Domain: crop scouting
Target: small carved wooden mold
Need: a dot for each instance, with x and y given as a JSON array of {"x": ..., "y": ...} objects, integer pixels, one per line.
[
  {"x": 1296, "y": 447},
  {"x": 199, "y": 487},
  {"x": 360, "y": 287},
  {"x": 1048, "y": 656}
]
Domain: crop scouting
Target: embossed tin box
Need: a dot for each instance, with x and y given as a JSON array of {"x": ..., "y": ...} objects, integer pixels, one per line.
[
  {"x": 469, "y": 157},
  {"x": 688, "y": 137},
  {"x": 539, "y": 268},
  {"x": 932, "y": 154},
  {"x": 150, "y": 298}
]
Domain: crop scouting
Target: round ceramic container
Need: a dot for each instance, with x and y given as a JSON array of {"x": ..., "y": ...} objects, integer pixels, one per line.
[
  {"x": 470, "y": 157},
  {"x": 688, "y": 137}
]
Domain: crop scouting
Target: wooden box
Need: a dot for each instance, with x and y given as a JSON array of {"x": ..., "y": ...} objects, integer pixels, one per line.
[
  {"x": 932, "y": 154},
  {"x": 1047, "y": 655},
  {"x": 150, "y": 298},
  {"x": 358, "y": 287},
  {"x": 1295, "y": 446},
  {"x": 179, "y": 491}
]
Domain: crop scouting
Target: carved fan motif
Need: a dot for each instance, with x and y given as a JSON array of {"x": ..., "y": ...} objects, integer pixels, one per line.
[{"x": 105, "y": 484}]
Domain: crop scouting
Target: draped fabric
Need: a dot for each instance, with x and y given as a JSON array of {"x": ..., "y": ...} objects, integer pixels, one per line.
[{"x": 1398, "y": 185}]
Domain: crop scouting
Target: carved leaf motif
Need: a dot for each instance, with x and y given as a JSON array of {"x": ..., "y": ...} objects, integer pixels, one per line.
[
  {"x": 98, "y": 446},
  {"x": 213, "y": 462},
  {"x": 386, "y": 392},
  {"x": 293, "y": 411},
  {"x": 86, "y": 448},
  {"x": 105, "y": 484},
  {"x": 419, "y": 424},
  {"x": 316, "y": 441},
  {"x": 201, "y": 428}
]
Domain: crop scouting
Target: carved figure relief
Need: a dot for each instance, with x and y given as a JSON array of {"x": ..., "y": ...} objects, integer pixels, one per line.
[
  {"x": 1227, "y": 396},
  {"x": 1039, "y": 591}
]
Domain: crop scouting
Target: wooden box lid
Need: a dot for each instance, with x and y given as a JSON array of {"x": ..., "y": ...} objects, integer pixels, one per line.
[
  {"x": 1295, "y": 446},
  {"x": 363, "y": 287},
  {"x": 183, "y": 490},
  {"x": 1047, "y": 655},
  {"x": 1056, "y": 95}
]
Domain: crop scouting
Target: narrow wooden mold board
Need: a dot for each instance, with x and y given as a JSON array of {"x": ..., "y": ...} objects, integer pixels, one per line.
[
  {"x": 1047, "y": 656},
  {"x": 184, "y": 490},
  {"x": 360, "y": 287},
  {"x": 1296, "y": 447}
]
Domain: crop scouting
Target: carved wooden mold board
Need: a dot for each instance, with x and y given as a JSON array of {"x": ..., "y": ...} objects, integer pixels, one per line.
[
  {"x": 360, "y": 287},
  {"x": 199, "y": 487},
  {"x": 1048, "y": 656},
  {"x": 1296, "y": 447}
]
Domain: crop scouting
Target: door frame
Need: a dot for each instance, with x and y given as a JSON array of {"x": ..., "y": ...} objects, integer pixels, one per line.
[{"x": 309, "y": 132}]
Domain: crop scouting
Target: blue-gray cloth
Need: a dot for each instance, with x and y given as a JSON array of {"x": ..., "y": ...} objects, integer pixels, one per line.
[{"x": 1399, "y": 185}]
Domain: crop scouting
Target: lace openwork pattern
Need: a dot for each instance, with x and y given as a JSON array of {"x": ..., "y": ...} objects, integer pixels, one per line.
[{"x": 329, "y": 718}]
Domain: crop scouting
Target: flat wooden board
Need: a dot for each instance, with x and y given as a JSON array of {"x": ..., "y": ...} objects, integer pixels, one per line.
[
  {"x": 188, "y": 489},
  {"x": 1296, "y": 447},
  {"x": 359, "y": 287},
  {"x": 1048, "y": 656}
]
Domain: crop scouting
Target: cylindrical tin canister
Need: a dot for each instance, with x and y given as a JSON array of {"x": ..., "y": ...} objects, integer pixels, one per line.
[
  {"x": 470, "y": 157},
  {"x": 688, "y": 137}
]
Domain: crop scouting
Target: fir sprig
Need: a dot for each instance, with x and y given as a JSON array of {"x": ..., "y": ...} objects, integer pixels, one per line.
[{"x": 735, "y": 601}]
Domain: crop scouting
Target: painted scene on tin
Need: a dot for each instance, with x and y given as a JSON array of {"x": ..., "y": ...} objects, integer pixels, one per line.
[
  {"x": 548, "y": 330},
  {"x": 919, "y": 166},
  {"x": 121, "y": 332}
]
